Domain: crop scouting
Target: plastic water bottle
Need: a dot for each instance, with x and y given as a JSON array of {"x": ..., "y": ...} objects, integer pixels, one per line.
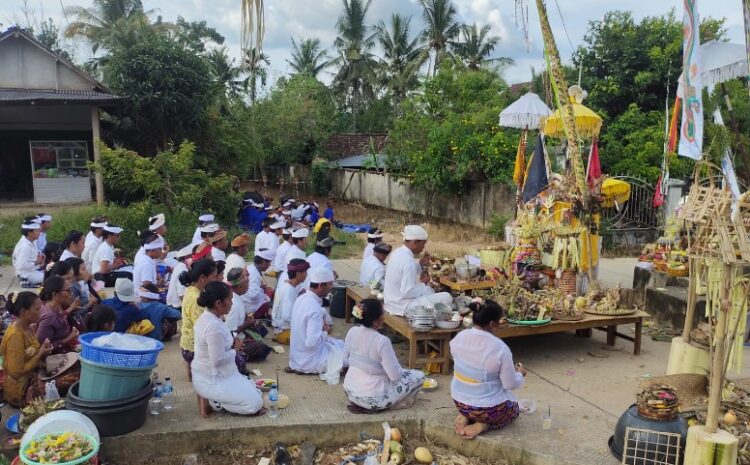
[
  {"x": 371, "y": 459},
  {"x": 273, "y": 403},
  {"x": 167, "y": 397},
  {"x": 154, "y": 404}
]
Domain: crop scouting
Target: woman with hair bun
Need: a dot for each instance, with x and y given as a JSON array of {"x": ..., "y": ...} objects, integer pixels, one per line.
[
  {"x": 22, "y": 353},
  {"x": 216, "y": 379},
  {"x": 375, "y": 380},
  {"x": 484, "y": 375},
  {"x": 201, "y": 273}
]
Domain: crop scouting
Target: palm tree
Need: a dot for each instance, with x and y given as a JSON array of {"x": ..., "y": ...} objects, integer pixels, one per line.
[
  {"x": 254, "y": 64},
  {"x": 357, "y": 72},
  {"x": 476, "y": 45},
  {"x": 108, "y": 22},
  {"x": 227, "y": 78},
  {"x": 441, "y": 27},
  {"x": 308, "y": 57},
  {"x": 402, "y": 56}
]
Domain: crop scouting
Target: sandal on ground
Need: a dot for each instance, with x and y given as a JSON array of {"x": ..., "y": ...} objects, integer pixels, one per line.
[{"x": 354, "y": 408}]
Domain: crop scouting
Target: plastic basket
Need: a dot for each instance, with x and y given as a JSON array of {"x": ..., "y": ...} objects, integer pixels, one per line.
[
  {"x": 118, "y": 357},
  {"x": 102, "y": 382},
  {"x": 82, "y": 459}
]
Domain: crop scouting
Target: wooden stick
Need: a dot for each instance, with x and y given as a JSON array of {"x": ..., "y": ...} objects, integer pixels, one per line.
[{"x": 692, "y": 300}]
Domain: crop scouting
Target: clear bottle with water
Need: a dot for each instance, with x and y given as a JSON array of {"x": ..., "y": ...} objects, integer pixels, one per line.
[
  {"x": 154, "y": 404},
  {"x": 273, "y": 403},
  {"x": 167, "y": 396}
]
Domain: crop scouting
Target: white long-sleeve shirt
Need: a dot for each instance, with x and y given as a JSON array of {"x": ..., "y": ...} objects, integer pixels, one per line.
[
  {"x": 484, "y": 373},
  {"x": 25, "y": 255},
  {"x": 371, "y": 270},
  {"x": 255, "y": 295},
  {"x": 401, "y": 285},
  {"x": 144, "y": 269},
  {"x": 41, "y": 242},
  {"x": 308, "y": 351},
  {"x": 291, "y": 254},
  {"x": 176, "y": 290},
  {"x": 283, "y": 304},
  {"x": 90, "y": 245},
  {"x": 268, "y": 241},
  {"x": 234, "y": 261},
  {"x": 369, "y": 250},
  {"x": 318, "y": 260},
  {"x": 237, "y": 314},
  {"x": 214, "y": 355},
  {"x": 372, "y": 362},
  {"x": 279, "y": 262}
]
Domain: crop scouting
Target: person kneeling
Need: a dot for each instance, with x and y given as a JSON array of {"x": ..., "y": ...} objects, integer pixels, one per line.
[
  {"x": 484, "y": 375},
  {"x": 216, "y": 378},
  {"x": 375, "y": 380}
]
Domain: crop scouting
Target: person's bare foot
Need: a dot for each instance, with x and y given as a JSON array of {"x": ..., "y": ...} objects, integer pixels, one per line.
[
  {"x": 474, "y": 430},
  {"x": 460, "y": 423}
]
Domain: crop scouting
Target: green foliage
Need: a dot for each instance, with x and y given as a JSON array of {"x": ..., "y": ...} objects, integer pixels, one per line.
[
  {"x": 634, "y": 144},
  {"x": 168, "y": 90},
  {"x": 292, "y": 124},
  {"x": 319, "y": 181},
  {"x": 449, "y": 135},
  {"x": 496, "y": 229},
  {"x": 169, "y": 179}
]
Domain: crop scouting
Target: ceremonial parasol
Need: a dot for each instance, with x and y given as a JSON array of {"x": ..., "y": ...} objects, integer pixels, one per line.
[
  {"x": 615, "y": 192},
  {"x": 525, "y": 113},
  {"x": 720, "y": 62},
  {"x": 588, "y": 123}
]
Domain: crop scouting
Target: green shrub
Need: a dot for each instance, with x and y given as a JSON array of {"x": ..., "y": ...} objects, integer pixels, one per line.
[
  {"x": 497, "y": 226},
  {"x": 319, "y": 182}
]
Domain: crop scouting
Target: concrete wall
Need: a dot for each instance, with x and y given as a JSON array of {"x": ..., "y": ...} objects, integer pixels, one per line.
[{"x": 474, "y": 206}]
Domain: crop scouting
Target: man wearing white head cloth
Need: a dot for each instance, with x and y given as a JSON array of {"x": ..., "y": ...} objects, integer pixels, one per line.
[
  {"x": 203, "y": 220},
  {"x": 45, "y": 221},
  {"x": 144, "y": 271},
  {"x": 27, "y": 261},
  {"x": 268, "y": 239},
  {"x": 297, "y": 250},
  {"x": 310, "y": 344},
  {"x": 405, "y": 284},
  {"x": 258, "y": 295}
]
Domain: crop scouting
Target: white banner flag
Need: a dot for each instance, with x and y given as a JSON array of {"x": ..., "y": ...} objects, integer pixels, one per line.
[
  {"x": 691, "y": 131},
  {"x": 727, "y": 167}
]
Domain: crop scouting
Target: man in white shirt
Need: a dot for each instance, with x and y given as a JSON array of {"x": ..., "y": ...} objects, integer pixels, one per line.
[
  {"x": 406, "y": 284},
  {"x": 297, "y": 250},
  {"x": 374, "y": 237},
  {"x": 285, "y": 296},
  {"x": 107, "y": 268},
  {"x": 27, "y": 261},
  {"x": 176, "y": 291},
  {"x": 372, "y": 270},
  {"x": 258, "y": 296},
  {"x": 310, "y": 344},
  {"x": 157, "y": 224},
  {"x": 279, "y": 262},
  {"x": 45, "y": 221},
  {"x": 203, "y": 220},
  {"x": 319, "y": 258},
  {"x": 236, "y": 259},
  {"x": 93, "y": 240},
  {"x": 268, "y": 239},
  {"x": 219, "y": 244},
  {"x": 144, "y": 270}
]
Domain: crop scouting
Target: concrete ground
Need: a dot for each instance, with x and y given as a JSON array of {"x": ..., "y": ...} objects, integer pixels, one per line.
[{"x": 582, "y": 382}]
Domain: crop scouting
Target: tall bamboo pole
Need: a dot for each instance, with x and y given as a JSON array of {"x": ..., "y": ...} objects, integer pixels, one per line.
[
  {"x": 717, "y": 364},
  {"x": 568, "y": 117}
]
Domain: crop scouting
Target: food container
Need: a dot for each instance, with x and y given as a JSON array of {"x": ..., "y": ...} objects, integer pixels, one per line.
[
  {"x": 443, "y": 312},
  {"x": 448, "y": 324},
  {"x": 467, "y": 271}
]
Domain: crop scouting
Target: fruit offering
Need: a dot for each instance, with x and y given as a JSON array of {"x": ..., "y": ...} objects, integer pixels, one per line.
[{"x": 59, "y": 448}]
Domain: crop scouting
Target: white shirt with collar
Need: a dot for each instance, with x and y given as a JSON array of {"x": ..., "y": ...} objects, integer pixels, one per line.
[
  {"x": 310, "y": 345},
  {"x": 66, "y": 255},
  {"x": 144, "y": 270},
  {"x": 255, "y": 296},
  {"x": 371, "y": 270},
  {"x": 25, "y": 255},
  {"x": 401, "y": 286},
  {"x": 105, "y": 253}
]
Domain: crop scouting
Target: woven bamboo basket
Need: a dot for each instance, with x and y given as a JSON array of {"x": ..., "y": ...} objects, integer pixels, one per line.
[{"x": 567, "y": 282}]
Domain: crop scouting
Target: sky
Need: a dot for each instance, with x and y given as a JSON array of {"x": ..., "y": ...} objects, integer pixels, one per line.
[{"x": 317, "y": 18}]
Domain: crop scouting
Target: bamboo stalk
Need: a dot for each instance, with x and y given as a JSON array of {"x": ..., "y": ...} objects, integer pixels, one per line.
[
  {"x": 717, "y": 375},
  {"x": 692, "y": 300}
]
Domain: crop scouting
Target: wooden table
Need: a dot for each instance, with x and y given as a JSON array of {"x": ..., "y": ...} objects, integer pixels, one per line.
[
  {"x": 466, "y": 286},
  {"x": 354, "y": 295},
  {"x": 421, "y": 344},
  {"x": 584, "y": 327}
]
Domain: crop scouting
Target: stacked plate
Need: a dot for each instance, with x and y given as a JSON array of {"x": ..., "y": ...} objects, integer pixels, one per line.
[{"x": 421, "y": 318}]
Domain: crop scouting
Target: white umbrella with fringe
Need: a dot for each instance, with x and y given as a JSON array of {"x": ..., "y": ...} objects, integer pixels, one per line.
[{"x": 527, "y": 112}]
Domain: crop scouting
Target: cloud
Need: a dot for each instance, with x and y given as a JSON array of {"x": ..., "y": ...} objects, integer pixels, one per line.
[{"x": 316, "y": 19}]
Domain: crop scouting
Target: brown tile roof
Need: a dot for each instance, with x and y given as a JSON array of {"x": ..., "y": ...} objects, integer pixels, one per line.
[{"x": 341, "y": 145}]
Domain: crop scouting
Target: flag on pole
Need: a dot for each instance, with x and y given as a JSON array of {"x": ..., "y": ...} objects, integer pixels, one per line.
[
  {"x": 519, "y": 170},
  {"x": 672, "y": 145},
  {"x": 727, "y": 167},
  {"x": 658, "y": 194},
  {"x": 536, "y": 173},
  {"x": 594, "y": 171},
  {"x": 691, "y": 132}
]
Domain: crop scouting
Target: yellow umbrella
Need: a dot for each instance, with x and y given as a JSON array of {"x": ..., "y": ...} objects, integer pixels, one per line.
[
  {"x": 615, "y": 192},
  {"x": 588, "y": 123}
]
